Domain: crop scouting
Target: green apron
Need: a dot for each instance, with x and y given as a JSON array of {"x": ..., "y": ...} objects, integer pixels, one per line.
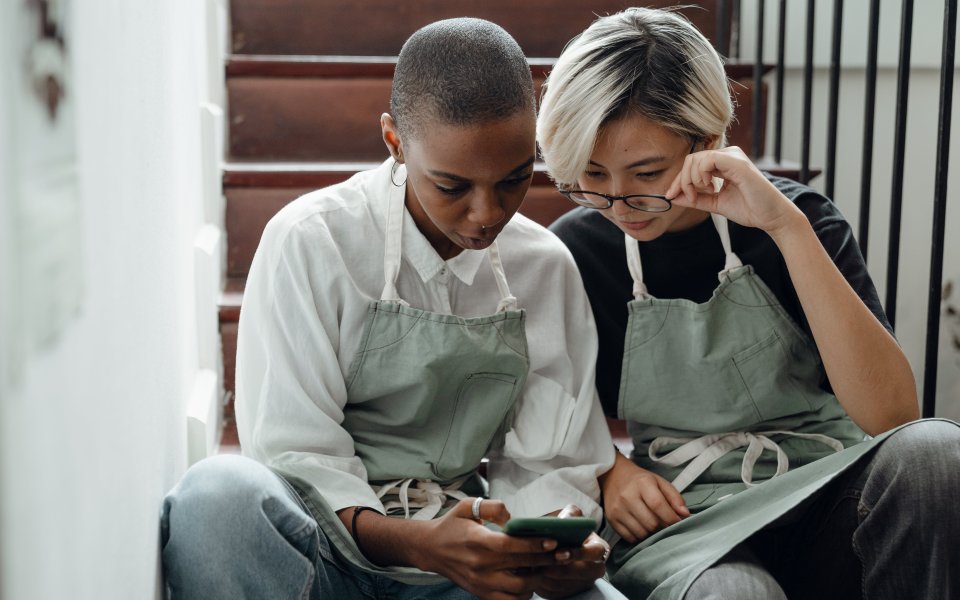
[
  {"x": 718, "y": 396},
  {"x": 428, "y": 395}
]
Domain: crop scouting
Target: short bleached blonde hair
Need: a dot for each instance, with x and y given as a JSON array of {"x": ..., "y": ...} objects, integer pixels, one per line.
[{"x": 650, "y": 62}]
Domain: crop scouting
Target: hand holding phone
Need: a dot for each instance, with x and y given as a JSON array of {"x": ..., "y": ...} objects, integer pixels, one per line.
[{"x": 570, "y": 532}]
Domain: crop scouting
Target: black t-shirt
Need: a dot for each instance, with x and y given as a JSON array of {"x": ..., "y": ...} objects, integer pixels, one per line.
[{"x": 686, "y": 264}]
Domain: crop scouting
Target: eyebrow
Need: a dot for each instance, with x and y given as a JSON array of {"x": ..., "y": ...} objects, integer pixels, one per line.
[
  {"x": 451, "y": 176},
  {"x": 639, "y": 163}
]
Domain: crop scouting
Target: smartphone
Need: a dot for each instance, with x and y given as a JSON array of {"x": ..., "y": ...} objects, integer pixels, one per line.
[{"x": 569, "y": 532}]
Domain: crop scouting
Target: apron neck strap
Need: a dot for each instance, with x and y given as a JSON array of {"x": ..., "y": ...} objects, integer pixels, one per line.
[
  {"x": 636, "y": 267},
  {"x": 732, "y": 261},
  {"x": 507, "y": 300},
  {"x": 393, "y": 252},
  {"x": 392, "y": 247}
]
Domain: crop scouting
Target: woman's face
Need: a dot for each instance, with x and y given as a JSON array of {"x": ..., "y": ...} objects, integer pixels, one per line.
[
  {"x": 465, "y": 182},
  {"x": 634, "y": 155}
]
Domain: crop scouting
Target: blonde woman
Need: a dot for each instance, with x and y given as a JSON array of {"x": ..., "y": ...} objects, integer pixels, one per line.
[{"x": 742, "y": 339}]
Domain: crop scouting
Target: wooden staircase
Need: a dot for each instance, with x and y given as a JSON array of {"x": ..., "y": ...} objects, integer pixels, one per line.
[{"x": 308, "y": 80}]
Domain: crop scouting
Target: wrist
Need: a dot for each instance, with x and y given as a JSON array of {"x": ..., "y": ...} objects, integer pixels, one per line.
[
  {"x": 386, "y": 541},
  {"x": 355, "y": 520},
  {"x": 416, "y": 551},
  {"x": 791, "y": 224},
  {"x": 618, "y": 464}
]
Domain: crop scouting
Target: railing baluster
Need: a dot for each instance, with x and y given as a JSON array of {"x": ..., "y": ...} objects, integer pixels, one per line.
[
  {"x": 723, "y": 33},
  {"x": 737, "y": 29},
  {"x": 866, "y": 171},
  {"x": 778, "y": 113},
  {"x": 939, "y": 209},
  {"x": 899, "y": 150},
  {"x": 807, "y": 96},
  {"x": 834, "y": 102},
  {"x": 757, "y": 144}
]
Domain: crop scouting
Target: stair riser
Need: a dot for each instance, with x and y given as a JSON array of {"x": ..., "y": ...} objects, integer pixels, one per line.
[
  {"x": 228, "y": 339},
  {"x": 379, "y": 27},
  {"x": 337, "y": 119}
]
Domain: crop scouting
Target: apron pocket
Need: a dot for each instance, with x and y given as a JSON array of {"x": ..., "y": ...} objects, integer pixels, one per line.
[
  {"x": 695, "y": 498},
  {"x": 765, "y": 370},
  {"x": 483, "y": 402}
]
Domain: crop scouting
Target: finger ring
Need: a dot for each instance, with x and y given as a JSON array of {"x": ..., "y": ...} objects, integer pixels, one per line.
[{"x": 476, "y": 508}]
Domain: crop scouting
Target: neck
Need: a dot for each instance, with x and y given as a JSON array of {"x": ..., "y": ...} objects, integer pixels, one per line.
[
  {"x": 440, "y": 242},
  {"x": 691, "y": 218}
]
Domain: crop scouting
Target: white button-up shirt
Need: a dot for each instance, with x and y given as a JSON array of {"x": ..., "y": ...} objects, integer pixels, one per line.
[{"x": 319, "y": 266}]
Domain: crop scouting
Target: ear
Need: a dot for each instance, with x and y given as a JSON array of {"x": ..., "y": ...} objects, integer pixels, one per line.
[
  {"x": 710, "y": 142},
  {"x": 391, "y": 137}
]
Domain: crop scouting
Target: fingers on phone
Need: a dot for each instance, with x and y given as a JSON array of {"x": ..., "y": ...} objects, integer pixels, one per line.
[{"x": 516, "y": 545}]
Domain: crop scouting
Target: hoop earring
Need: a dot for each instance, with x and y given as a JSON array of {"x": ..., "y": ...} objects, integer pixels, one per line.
[{"x": 393, "y": 172}]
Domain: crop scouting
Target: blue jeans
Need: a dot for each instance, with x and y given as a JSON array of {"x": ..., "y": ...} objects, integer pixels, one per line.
[
  {"x": 234, "y": 529},
  {"x": 889, "y": 528}
]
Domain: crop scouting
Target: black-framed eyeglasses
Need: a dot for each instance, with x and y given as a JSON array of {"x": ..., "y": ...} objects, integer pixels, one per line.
[
  {"x": 644, "y": 202},
  {"x": 655, "y": 203}
]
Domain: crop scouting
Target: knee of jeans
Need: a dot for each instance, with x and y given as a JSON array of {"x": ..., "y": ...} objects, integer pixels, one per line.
[
  {"x": 218, "y": 493},
  {"x": 923, "y": 457}
]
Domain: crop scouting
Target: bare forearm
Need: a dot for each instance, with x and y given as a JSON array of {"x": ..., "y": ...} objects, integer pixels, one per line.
[
  {"x": 868, "y": 371},
  {"x": 383, "y": 540}
]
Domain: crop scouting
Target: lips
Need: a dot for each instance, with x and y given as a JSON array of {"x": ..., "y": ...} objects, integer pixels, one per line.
[
  {"x": 635, "y": 225},
  {"x": 477, "y": 243}
]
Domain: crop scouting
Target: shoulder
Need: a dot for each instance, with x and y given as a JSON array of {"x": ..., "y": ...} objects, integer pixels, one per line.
[
  {"x": 532, "y": 248},
  {"x": 339, "y": 210},
  {"x": 579, "y": 223},
  {"x": 589, "y": 236},
  {"x": 528, "y": 236},
  {"x": 820, "y": 210},
  {"x": 323, "y": 223}
]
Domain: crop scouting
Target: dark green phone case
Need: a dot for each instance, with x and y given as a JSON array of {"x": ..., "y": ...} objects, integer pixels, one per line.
[{"x": 569, "y": 532}]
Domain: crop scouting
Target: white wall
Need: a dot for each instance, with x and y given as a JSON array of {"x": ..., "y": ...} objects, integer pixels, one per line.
[
  {"x": 916, "y": 233},
  {"x": 94, "y": 433}
]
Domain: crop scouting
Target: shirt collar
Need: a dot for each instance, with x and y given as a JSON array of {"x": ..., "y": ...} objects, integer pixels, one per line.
[{"x": 416, "y": 248}]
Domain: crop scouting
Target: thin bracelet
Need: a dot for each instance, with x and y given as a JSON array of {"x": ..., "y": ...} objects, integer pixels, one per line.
[{"x": 353, "y": 525}]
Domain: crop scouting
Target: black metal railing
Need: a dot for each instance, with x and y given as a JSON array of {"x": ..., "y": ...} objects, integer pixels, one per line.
[
  {"x": 866, "y": 173},
  {"x": 830, "y": 173},
  {"x": 899, "y": 154},
  {"x": 939, "y": 207}
]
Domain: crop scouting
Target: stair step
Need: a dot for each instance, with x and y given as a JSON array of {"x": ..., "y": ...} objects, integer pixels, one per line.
[
  {"x": 323, "y": 119},
  {"x": 379, "y": 27}
]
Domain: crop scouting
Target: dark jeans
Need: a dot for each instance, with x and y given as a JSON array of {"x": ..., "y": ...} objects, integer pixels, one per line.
[{"x": 888, "y": 528}]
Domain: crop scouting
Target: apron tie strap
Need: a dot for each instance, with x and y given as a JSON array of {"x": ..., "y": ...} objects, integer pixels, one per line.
[
  {"x": 423, "y": 494},
  {"x": 702, "y": 452}
]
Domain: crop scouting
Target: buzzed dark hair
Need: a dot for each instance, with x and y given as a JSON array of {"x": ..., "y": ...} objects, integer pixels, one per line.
[{"x": 459, "y": 72}]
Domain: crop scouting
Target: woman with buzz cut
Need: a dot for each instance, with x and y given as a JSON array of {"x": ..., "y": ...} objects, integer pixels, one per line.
[
  {"x": 396, "y": 329},
  {"x": 741, "y": 338}
]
